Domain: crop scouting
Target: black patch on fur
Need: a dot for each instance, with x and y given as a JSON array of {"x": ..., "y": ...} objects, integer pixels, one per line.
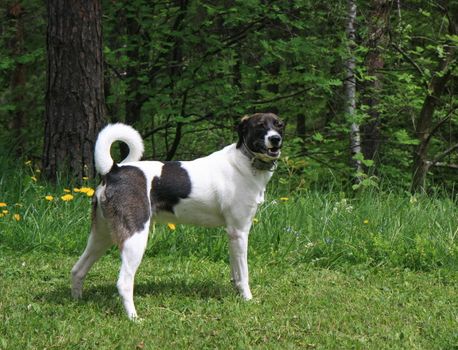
[
  {"x": 167, "y": 190},
  {"x": 125, "y": 200}
]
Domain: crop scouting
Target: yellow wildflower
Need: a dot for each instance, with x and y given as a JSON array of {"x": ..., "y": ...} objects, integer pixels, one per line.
[
  {"x": 17, "y": 217},
  {"x": 49, "y": 198},
  {"x": 76, "y": 190},
  {"x": 284, "y": 199},
  {"x": 2, "y": 205},
  {"x": 85, "y": 178},
  {"x": 66, "y": 190},
  {"x": 89, "y": 191},
  {"x": 66, "y": 197},
  {"x": 171, "y": 227},
  {"x": 365, "y": 222},
  {"x": 255, "y": 221},
  {"x": 4, "y": 212},
  {"x": 33, "y": 178},
  {"x": 2, "y": 215},
  {"x": 28, "y": 162}
]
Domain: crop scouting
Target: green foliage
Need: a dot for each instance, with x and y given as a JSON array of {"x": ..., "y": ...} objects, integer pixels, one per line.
[{"x": 184, "y": 72}]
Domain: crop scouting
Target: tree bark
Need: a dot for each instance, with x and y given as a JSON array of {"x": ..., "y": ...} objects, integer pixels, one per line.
[
  {"x": 18, "y": 81},
  {"x": 436, "y": 87},
  {"x": 421, "y": 163},
  {"x": 350, "y": 87},
  {"x": 377, "y": 38},
  {"x": 74, "y": 94},
  {"x": 135, "y": 99}
]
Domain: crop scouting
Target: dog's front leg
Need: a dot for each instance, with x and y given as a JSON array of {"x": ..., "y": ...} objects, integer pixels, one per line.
[{"x": 238, "y": 252}]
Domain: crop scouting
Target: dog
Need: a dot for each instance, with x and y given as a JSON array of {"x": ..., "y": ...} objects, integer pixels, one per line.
[{"x": 222, "y": 189}]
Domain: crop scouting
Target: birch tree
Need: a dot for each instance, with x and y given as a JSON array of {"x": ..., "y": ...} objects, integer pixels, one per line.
[{"x": 350, "y": 89}]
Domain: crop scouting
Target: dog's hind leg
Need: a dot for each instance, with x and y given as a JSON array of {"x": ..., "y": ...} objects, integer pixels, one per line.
[
  {"x": 131, "y": 255},
  {"x": 238, "y": 252},
  {"x": 99, "y": 241}
]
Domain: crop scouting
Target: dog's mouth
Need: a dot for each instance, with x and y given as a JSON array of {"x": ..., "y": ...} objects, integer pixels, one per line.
[{"x": 273, "y": 152}]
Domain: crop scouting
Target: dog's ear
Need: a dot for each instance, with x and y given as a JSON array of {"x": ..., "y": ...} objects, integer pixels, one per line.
[{"x": 241, "y": 129}]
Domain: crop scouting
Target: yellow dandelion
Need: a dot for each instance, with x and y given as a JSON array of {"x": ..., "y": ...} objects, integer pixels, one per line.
[
  {"x": 34, "y": 178},
  {"x": 365, "y": 222},
  {"x": 76, "y": 190},
  {"x": 2, "y": 215},
  {"x": 66, "y": 190},
  {"x": 49, "y": 198},
  {"x": 85, "y": 178},
  {"x": 284, "y": 199},
  {"x": 89, "y": 191},
  {"x": 4, "y": 212},
  {"x": 171, "y": 227},
  {"x": 17, "y": 217},
  {"x": 67, "y": 197},
  {"x": 2, "y": 205}
]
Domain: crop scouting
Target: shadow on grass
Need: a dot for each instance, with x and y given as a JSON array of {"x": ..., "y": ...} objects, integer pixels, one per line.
[{"x": 106, "y": 294}]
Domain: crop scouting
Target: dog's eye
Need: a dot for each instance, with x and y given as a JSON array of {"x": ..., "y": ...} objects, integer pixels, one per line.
[{"x": 278, "y": 123}]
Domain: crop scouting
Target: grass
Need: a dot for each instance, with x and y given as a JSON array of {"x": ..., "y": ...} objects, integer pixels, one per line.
[
  {"x": 376, "y": 271},
  {"x": 189, "y": 303}
]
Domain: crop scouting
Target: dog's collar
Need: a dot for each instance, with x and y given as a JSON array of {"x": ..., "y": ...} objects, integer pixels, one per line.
[{"x": 257, "y": 162}]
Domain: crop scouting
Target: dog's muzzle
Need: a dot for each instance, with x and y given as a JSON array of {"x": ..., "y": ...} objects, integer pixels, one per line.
[{"x": 273, "y": 146}]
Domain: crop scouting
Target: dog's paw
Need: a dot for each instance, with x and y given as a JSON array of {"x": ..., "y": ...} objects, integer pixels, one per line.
[
  {"x": 77, "y": 293},
  {"x": 246, "y": 295},
  {"x": 134, "y": 318},
  {"x": 137, "y": 320}
]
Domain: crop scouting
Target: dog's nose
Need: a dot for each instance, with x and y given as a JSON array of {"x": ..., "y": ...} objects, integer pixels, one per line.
[{"x": 275, "y": 140}]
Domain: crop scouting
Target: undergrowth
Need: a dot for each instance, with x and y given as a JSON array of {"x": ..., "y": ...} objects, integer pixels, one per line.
[{"x": 322, "y": 228}]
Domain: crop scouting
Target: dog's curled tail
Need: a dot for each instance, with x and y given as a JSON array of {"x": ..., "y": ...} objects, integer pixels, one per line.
[{"x": 110, "y": 134}]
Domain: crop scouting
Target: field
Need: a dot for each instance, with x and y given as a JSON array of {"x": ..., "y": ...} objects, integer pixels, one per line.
[{"x": 328, "y": 271}]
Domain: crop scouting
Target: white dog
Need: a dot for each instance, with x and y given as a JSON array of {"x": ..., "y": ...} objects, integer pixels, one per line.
[{"x": 222, "y": 189}]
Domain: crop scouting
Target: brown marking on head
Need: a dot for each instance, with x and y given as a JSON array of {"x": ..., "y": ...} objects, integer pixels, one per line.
[{"x": 252, "y": 131}]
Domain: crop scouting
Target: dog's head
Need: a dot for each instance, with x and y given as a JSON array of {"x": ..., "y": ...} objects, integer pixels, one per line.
[{"x": 262, "y": 134}]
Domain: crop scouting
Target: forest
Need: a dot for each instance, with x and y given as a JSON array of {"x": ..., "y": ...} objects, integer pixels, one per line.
[
  {"x": 367, "y": 88},
  {"x": 355, "y": 244}
]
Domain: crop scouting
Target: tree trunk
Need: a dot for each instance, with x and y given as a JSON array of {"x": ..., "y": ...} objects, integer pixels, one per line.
[
  {"x": 421, "y": 163},
  {"x": 350, "y": 87},
  {"x": 436, "y": 88},
  {"x": 378, "y": 25},
  {"x": 18, "y": 81},
  {"x": 135, "y": 99},
  {"x": 74, "y": 95}
]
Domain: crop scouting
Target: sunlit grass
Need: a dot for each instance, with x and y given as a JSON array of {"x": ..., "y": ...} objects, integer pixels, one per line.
[
  {"x": 321, "y": 228},
  {"x": 328, "y": 270}
]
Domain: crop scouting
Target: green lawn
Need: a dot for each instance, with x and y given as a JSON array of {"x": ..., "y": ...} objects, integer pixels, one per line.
[
  {"x": 377, "y": 270},
  {"x": 189, "y": 303}
]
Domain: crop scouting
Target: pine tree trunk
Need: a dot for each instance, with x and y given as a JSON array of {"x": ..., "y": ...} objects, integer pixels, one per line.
[{"x": 74, "y": 96}]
